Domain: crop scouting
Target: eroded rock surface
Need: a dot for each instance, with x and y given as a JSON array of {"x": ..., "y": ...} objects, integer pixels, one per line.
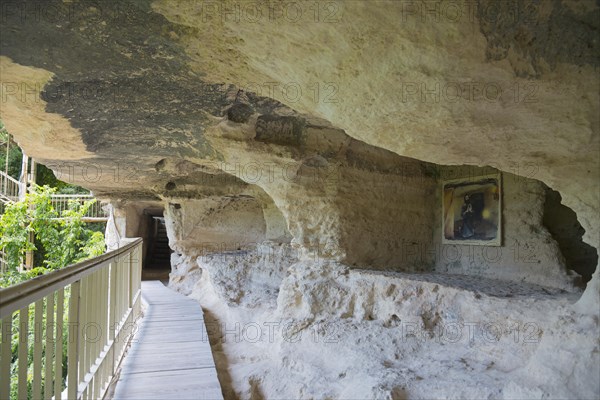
[
  {"x": 297, "y": 151},
  {"x": 320, "y": 328}
]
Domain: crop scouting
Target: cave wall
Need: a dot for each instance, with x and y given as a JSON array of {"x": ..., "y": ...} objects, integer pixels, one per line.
[
  {"x": 528, "y": 253},
  {"x": 214, "y": 224},
  {"x": 248, "y": 279},
  {"x": 324, "y": 316},
  {"x": 276, "y": 228},
  {"x": 341, "y": 199}
]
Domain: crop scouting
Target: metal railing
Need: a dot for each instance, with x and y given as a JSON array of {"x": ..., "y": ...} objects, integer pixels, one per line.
[
  {"x": 98, "y": 300},
  {"x": 10, "y": 188},
  {"x": 60, "y": 202}
]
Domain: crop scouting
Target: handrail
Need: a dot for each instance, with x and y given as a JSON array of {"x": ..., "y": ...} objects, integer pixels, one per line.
[
  {"x": 41, "y": 315},
  {"x": 10, "y": 178},
  {"x": 15, "y": 297},
  {"x": 73, "y": 196},
  {"x": 10, "y": 188}
]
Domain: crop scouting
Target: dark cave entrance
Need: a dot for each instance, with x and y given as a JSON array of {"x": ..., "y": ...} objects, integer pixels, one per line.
[
  {"x": 157, "y": 254},
  {"x": 562, "y": 223}
]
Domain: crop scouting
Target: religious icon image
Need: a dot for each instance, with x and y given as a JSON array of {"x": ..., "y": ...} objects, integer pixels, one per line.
[{"x": 472, "y": 211}]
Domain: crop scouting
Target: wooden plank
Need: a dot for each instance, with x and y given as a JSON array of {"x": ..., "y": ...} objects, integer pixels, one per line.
[
  {"x": 91, "y": 309},
  {"x": 168, "y": 324},
  {"x": 192, "y": 312},
  {"x": 194, "y": 384},
  {"x": 102, "y": 377},
  {"x": 172, "y": 337},
  {"x": 180, "y": 308},
  {"x": 164, "y": 362},
  {"x": 153, "y": 380},
  {"x": 191, "y": 349},
  {"x": 170, "y": 355},
  {"x": 173, "y": 316},
  {"x": 131, "y": 275},
  {"x": 118, "y": 283}
]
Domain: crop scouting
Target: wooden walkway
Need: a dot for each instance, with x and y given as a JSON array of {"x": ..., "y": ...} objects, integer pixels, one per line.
[{"x": 170, "y": 357}]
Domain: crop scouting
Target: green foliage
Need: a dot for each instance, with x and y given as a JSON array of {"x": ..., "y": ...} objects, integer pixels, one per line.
[
  {"x": 95, "y": 246},
  {"x": 12, "y": 277},
  {"x": 65, "y": 238},
  {"x": 45, "y": 176},
  {"x": 14, "y": 231}
]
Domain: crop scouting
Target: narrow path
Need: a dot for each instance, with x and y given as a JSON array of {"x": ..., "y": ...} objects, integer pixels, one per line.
[{"x": 170, "y": 357}]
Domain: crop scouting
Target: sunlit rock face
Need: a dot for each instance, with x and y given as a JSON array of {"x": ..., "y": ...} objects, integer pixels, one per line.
[{"x": 298, "y": 150}]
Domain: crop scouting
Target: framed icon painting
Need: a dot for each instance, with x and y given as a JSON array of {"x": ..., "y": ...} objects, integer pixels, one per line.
[{"x": 471, "y": 210}]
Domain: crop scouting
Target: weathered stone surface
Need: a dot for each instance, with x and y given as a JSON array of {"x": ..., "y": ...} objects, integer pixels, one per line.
[
  {"x": 39, "y": 132},
  {"x": 326, "y": 329},
  {"x": 325, "y": 184},
  {"x": 320, "y": 131},
  {"x": 214, "y": 224}
]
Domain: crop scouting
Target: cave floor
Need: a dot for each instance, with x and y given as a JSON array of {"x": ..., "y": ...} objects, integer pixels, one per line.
[
  {"x": 487, "y": 286},
  {"x": 170, "y": 356}
]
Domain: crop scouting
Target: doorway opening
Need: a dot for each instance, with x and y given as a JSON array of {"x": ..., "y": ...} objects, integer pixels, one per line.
[{"x": 157, "y": 263}]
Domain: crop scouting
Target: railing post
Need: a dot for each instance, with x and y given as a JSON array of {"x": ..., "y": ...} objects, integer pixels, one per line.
[
  {"x": 23, "y": 351},
  {"x": 37, "y": 350},
  {"x": 73, "y": 348},
  {"x": 58, "y": 351},
  {"x": 131, "y": 276},
  {"x": 5, "y": 357},
  {"x": 112, "y": 319},
  {"x": 48, "y": 388},
  {"x": 104, "y": 322}
]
